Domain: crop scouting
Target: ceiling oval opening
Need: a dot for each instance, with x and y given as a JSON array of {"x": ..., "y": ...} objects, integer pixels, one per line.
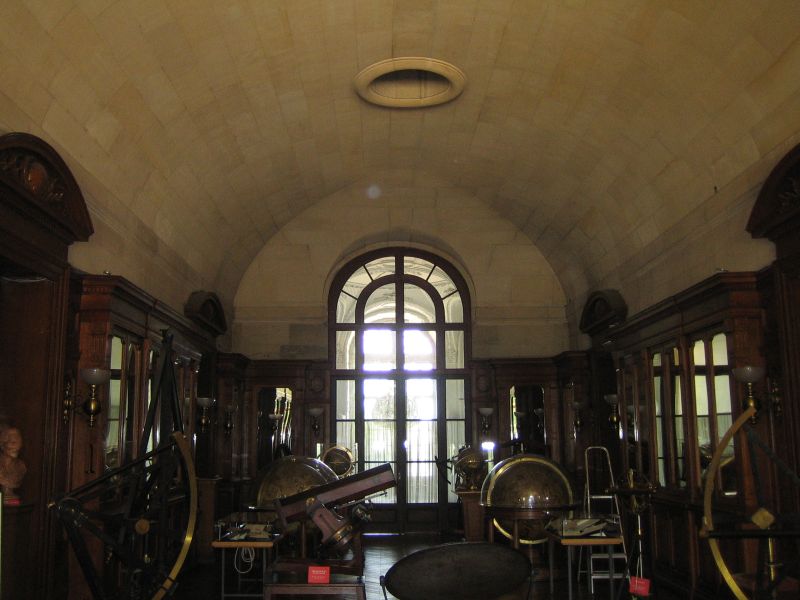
[{"x": 410, "y": 82}]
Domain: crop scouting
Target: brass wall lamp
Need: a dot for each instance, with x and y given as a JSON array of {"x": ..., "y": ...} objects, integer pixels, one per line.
[
  {"x": 749, "y": 375},
  {"x": 315, "y": 412},
  {"x": 577, "y": 421},
  {"x": 486, "y": 413},
  {"x": 613, "y": 401},
  {"x": 93, "y": 376},
  {"x": 205, "y": 403}
]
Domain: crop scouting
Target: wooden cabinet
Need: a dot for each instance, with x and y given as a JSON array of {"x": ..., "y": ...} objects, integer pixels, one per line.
[
  {"x": 42, "y": 212},
  {"x": 676, "y": 398}
]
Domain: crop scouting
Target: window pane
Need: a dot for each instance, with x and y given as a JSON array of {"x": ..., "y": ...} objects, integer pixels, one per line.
[
  {"x": 379, "y": 441},
  {"x": 422, "y": 483},
  {"x": 703, "y": 419},
  {"x": 442, "y": 282},
  {"x": 417, "y": 267},
  {"x": 454, "y": 399},
  {"x": 699, "y": 353},
  {"x": 346, "y": 435},
  {"x": 421, "y": 400},
  {"x": 455, "y": 437},
  {"x": 381, "y": 267},
  {"x": 345, "y": 350},
  {"x": 419, "y": 350},
  {"x": 677, "y": 411},
  {"x": 453, "y": 309},
  {"x": 722, "y": 393},
  {"x": 345, "y": 399},
  {"x": 116, "y": 353},
  {"x": 357, "y": 282},
  {"x": 453, "y": 349},
  {"x": 417, "y": 305},
  {"x": 421, "y": 440},
  {"x": 659, "y": 413},
  {"x": 346, "y": 309},
  {"x": 379, "y": 350},
  {"x": 380, "y": 305},
  {"x": 113, "y": 399},
  {"x": 378, "y": 399},
  {"x": 719, "y": 349}
]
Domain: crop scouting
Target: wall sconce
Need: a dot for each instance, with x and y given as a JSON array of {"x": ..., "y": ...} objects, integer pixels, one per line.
[
  {"x": 775, "y": 396},
  {"x": 228, "y": 424},
  {"x": 204, "y": 403},
  {"x": 486, "y": 413},
  {"x": 93, "y": 376},
  {"x": 315, "y": 412},
  {"x": 577, "y": 422},
  {"x": 67, "y": 403},
  {"x": 748, "y": 375},
  {"x": 613, "y": 401}
]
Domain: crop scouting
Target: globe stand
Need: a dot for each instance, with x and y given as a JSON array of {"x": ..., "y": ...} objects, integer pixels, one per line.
[{"x": 637, "y": 495}]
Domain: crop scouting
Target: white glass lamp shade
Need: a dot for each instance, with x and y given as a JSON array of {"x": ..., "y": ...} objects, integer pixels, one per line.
[
  {"x": 316, "y": 411},
  {"x": 204, "y": 401},
  {"x": 748, "y": 374},
  {"x": 95, "y": 376},
  {"x": 486, "y": 411}
]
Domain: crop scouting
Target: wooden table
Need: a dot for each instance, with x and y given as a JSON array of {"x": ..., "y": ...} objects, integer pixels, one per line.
[
  {"x": 264, "y": 546},
  {"x": 571, "y": 543},
  {"x": 356, "y": 588}
]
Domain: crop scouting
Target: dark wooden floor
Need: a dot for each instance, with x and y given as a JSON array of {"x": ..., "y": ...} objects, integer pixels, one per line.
[{"x": 381, "y": 552}]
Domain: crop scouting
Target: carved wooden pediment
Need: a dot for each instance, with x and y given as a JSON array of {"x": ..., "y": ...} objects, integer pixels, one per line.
[
  {"x": 43, "y": 186},
  {"x": 777, "y": 210},
  {"x": 603, "y": 309},
  {"x": 205, "y": 309}
]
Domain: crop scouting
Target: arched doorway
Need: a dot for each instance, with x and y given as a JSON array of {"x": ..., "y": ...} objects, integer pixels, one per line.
[{"x": 399, "y": 343}]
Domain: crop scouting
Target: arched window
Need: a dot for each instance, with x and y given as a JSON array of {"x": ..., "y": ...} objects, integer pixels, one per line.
[{"x": 399, "y": 341}]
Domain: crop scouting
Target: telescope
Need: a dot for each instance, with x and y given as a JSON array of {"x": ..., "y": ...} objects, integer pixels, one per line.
[{"x": 322, "y": 505}]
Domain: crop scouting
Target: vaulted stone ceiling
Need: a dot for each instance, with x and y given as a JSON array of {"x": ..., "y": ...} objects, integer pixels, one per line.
[{"x": 606, "y": 130}]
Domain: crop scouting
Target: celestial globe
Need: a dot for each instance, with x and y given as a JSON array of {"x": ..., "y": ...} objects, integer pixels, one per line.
[{"x": 529, "y": 488}]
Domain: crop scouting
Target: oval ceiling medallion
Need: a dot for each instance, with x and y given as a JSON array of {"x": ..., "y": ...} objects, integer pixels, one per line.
[{"x": 410, "y": 82}]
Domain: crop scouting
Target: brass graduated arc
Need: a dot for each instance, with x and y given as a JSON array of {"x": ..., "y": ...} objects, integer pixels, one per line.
[
  {"x": 186, "y": 456},
  {"x": 708, "y": 492}
]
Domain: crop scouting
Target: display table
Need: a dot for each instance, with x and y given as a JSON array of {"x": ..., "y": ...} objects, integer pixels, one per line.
[
  {"x": 570, "y": 543},
  {"x": 355, "y": 589},
  {"x": 264, "y": 547}
]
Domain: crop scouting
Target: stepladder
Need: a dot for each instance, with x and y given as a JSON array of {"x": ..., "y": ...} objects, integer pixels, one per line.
[{"x": 599, "y": 501}]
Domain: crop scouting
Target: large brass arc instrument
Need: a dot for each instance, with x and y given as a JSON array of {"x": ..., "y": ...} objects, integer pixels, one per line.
[
  {"x": 142, "y": 514},
  {"x": 763, "y": 525}
]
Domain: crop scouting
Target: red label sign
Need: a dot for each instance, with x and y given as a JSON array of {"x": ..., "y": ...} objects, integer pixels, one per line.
[{"x": 319, "y": 574}]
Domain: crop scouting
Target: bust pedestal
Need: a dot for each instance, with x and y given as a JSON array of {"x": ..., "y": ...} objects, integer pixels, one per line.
[{"x": 473, "y": 515}]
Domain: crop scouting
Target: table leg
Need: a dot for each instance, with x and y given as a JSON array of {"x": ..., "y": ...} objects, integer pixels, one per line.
[
  {"x": 222, "y": 574},
  {"x": 551, "y": 563},
  {"x": 611, "y": 572},
  {"x": 569, "y": 571}
]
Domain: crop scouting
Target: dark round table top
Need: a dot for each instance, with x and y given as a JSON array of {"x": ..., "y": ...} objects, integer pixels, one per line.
[{"x": 463, "y": 571}]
